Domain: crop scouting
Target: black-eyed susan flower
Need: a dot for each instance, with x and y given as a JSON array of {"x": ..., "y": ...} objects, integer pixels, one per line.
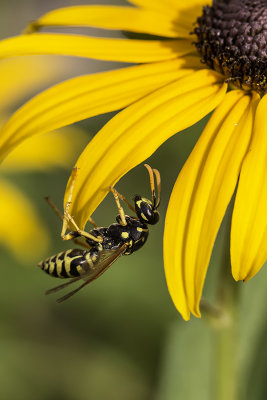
[{"x": 198, "y": 50}]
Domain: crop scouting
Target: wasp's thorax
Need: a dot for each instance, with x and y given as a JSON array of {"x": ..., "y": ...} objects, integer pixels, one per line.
[
  {"x": 232, "y": 39},
  {"x": 145, "y": 210}
]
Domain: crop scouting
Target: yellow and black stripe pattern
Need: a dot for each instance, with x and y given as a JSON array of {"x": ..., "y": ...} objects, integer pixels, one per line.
[{"x": 70, "y": 263}]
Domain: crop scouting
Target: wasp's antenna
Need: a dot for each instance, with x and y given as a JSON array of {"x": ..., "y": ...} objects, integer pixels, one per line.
[
  {"x": 152, "y": 184},
  {"x": 157, "y": 174}
]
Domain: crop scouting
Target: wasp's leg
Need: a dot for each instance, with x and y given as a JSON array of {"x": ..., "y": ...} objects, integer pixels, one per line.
[
  {"x": 67, "y": 218},
  {"x": 92, "y": 222},
  {"x": 77, "y": 241},
  {"x": 125, "y": 200},
  {"x": 82, "y": 233},
  {"x": 73, "y": 179},
  {"x": 54, "y": 207},
  {"x": 121, "y": 211}
]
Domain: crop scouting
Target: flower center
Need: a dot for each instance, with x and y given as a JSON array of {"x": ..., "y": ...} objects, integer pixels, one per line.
[{"x": 232, "y": 39}]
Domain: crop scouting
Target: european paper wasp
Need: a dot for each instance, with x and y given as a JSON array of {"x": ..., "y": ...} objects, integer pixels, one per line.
[{"x": 104, "y": 245}]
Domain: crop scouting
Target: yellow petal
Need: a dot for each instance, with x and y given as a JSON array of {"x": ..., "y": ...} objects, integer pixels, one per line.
[
  {"x": 42, "y": 152},
  {"x": 20, "y": 77},
  {"x": 136, "y": 51},
  {"x": 89, "y": 95},
  {"x": 112, "y": 17},
  {"x": 183, "y": 13},
  {"x": 135, "y": 133},
  {"x": 21, "y": 230},
  {"x": 249, "y": 224},
  {"x": 200, "y": 197},
  {"x": 169, "y": 6}
]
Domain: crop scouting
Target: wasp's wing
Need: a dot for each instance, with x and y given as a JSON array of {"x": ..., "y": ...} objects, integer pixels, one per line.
[
  {"x": 90, "y": 273},
  {"x": 57, "y": 288},
  {"x": 106, "y": 259}
]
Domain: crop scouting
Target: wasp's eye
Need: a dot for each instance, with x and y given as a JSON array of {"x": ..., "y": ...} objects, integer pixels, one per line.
[{"x": 145, "y": 210}]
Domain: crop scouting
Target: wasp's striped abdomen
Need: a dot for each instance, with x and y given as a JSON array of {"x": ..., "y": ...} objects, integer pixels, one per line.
[{"x": 70, "y": 263}]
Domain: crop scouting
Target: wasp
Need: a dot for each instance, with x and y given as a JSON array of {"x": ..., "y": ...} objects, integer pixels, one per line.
[{"x": 104, "y": 245}]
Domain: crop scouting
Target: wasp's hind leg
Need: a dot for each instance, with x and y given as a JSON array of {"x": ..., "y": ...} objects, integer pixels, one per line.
[
  {"x": 92, "y": 222},
  {"x": 54, "y": 207},
  {"x": 67, "y": 218}
]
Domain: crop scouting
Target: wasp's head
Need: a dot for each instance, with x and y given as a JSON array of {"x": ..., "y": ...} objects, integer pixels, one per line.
[{"x": 145, "y": 210}]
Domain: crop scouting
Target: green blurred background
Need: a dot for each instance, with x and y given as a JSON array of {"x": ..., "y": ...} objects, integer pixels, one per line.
[{"x": 121, "y": 337}]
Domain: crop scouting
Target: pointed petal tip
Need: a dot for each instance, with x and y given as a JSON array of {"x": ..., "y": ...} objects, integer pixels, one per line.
[
  {"x": 236, "y": 276},
  {"x": 248, "y": 276},
  {"x": 183, "y": 310},
  {"x": 197, "y": 313},
  {"x": 241, "y": 276},
  {"x": 185, "y": 315}
]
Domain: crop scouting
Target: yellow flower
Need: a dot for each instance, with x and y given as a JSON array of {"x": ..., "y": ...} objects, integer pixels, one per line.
[
  {"x": 22, "y": 230},
  {"x": 169, "y": 91}
]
